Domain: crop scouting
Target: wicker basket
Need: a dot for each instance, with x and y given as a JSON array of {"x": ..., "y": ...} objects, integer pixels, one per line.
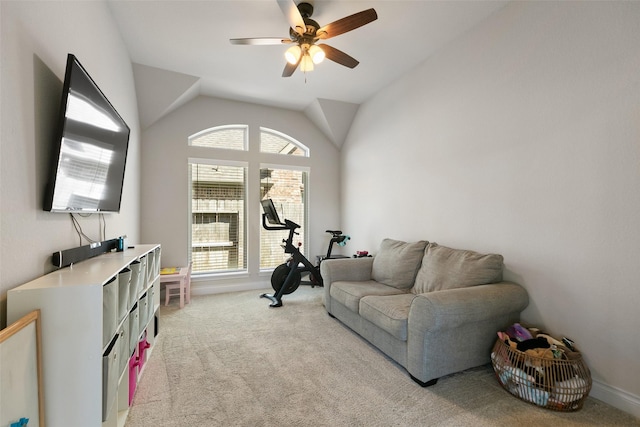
[{"x": 558, "y": 384}]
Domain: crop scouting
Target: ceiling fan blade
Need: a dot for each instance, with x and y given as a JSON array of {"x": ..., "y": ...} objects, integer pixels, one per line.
[
  {"x": 338, "y": 56},
  {"x": 345, "y": 24},
  {"x": 294, "y": 18},
  {"x": 260, "y": 41},
  {"x": 289, "y": 69}
]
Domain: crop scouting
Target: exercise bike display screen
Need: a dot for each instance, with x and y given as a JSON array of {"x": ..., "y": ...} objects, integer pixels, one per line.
[{"x": 270, "y": 212}]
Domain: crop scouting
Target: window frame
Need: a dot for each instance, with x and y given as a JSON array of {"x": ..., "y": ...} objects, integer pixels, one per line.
[
  {"x": 243, "y": 225},
  {"x": 253, "y": 160}
]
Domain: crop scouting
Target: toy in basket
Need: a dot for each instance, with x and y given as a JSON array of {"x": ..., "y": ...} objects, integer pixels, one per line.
[{"x": 540, "y": 369}]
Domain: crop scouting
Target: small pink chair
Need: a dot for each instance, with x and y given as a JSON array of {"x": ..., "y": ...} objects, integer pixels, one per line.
[{"x": 175, "y": 282}]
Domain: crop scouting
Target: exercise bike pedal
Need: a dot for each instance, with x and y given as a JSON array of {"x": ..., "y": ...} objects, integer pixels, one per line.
[{"x": 275, "y": 302}]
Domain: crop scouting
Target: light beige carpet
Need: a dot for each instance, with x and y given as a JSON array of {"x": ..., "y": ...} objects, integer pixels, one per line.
[{"x": 230, "y": 360}]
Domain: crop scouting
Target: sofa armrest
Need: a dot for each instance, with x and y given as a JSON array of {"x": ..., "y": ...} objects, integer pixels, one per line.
[
  {"x": 349, "y": 269},
  {"x": 452, "y": 308},
  {"x": 343, "y": 269},
  {"x": 453, "y": 330}
]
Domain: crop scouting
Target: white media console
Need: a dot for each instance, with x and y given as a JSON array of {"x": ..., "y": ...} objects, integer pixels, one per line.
[{"x": 99, "y": 323}]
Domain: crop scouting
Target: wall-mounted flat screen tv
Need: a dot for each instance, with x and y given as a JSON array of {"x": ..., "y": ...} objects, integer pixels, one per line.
[{"x": 90, "y": 152}]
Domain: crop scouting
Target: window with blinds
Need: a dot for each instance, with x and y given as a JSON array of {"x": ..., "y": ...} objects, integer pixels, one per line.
[
  {"x": 218, "y": 219},
  {"x": 218, "y": 215},
  {"x": 275, "y": 142},
  {"x": 230, "y": 137},
  {"x": 286, "y": 187}
]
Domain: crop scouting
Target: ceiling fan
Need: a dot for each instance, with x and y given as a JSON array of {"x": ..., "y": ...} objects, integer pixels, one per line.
[{"x": 304, "y": 32}]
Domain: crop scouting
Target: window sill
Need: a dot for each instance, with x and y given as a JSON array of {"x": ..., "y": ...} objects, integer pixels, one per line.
[{"x": 219, "y": 276}]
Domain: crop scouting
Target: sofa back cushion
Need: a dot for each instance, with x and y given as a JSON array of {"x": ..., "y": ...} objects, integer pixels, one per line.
[
  {"x": 445, "y": 268},
  {"x": 397, "y": 263}
]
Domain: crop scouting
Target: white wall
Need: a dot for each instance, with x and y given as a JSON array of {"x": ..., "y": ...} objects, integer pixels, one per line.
[
  {"x": 35, "y": 39},
  {"x": 522, "y": 138},
  {"x": 165, "y": 193}
]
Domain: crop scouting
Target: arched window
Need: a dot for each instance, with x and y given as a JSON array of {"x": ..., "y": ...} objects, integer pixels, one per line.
[
  {"x": 230, "y": 137},
  {"x": 219, "y": 185},
  {"x": 272, "y": 141}
]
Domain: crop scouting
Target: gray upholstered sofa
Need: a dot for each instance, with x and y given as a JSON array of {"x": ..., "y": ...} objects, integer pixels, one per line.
[{"x": 433, "y": 309}]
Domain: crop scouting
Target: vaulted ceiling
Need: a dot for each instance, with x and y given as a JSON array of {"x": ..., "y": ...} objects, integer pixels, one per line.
[{"x": 181, "y": 49}]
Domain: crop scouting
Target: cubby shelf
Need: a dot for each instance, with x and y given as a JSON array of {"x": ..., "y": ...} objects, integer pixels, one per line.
[{"x": 82, "y": 343}]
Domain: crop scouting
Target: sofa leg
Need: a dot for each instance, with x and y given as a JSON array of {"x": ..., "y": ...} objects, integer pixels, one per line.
[{"x": 424, "y": 384}]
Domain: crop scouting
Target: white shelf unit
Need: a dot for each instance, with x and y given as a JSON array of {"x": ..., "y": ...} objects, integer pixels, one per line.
[{"x": 76, "y": 309}]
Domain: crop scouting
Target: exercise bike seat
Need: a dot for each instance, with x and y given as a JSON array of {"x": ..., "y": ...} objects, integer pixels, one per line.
[{"x": 335, "y": 232}]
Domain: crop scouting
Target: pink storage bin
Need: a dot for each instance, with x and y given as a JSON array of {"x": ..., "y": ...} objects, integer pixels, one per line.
[
  {"x": 133, "y": 376},
  {"x": 143, "y": 345}
]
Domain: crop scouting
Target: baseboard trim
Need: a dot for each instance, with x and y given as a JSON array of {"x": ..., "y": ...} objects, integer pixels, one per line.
[
  {"x": 205, "y": 288},
  {"x": 616, "y": 397}
]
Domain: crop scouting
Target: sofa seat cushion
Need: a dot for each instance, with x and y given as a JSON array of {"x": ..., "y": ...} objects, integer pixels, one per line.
[
  {"x": 445, "y": 268},
  {"x": 397, "y": 263},
  {"x": 389, "y": 312},
  {"x": 350, "y": 293}
]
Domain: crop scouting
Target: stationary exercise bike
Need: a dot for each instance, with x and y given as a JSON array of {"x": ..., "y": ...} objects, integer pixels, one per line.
[{"x": 286, "y": 278}]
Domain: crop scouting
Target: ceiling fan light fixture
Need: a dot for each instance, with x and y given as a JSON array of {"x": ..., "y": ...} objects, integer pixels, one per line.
[
  {"x": 292, "y": 55},
  {"x": 317, "y": 54},
  {"x": 306, "y": 64}
]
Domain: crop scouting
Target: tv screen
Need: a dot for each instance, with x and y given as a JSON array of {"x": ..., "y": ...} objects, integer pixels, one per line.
[{"x": 91, "y": 148}]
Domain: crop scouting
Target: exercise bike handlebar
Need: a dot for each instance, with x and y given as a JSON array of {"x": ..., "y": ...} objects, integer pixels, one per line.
[{"x": 288, "y": 225}]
